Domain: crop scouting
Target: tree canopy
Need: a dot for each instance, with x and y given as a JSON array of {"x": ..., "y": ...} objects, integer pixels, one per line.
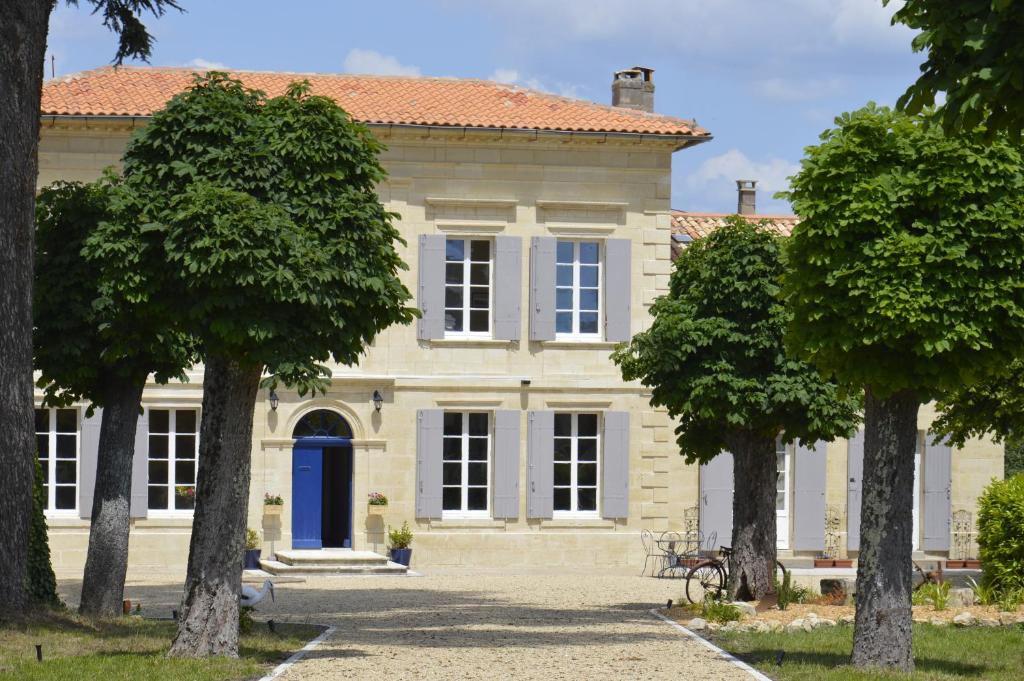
[
  {"x": 975, "y": 57},
  {"x": 97, "y": 313},
  {"x": 714, "y": 356},
  {"x": 270, "y": 225},
  {"x": 908, "y": 262},
  {"x": 123, "y": 17}
]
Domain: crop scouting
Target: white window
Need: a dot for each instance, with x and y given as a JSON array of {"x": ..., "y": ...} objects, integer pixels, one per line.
[
  {"x": 782, "y": 459},
  {"x": 57, "y": 441},
  {"x": 467, "y": 290},
  {"x": 576, "y": 461},
  {"x": 466, "y": 460},
  {"x": 173, "y": 450},
  {"x": 578, "y": 289}
]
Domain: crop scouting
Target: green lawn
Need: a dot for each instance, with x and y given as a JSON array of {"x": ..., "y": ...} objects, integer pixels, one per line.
[
  {"x": 130, "y": 649},
  {"x": 940, "y": 653}
]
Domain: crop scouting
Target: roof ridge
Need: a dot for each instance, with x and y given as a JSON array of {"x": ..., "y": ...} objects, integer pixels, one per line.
[{"x": 697, "y": 214}]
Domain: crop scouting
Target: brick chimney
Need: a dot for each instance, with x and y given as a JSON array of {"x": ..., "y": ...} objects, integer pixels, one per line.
[
  {"x": 634, "y": 89},
  {"x": 746, "y": 203}
]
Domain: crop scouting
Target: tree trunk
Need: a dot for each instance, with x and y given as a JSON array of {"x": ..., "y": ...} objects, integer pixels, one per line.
[
  {"x": 107, "y": 560},
  {"x": 882, "y": 633},
  {"x": 23, "y": 27},
  {"x": 752, "y": 567},
  {"x": 208, "y": 623}
]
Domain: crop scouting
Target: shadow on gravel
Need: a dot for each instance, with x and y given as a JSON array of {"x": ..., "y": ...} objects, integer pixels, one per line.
[{"x": 407, "y": 614}]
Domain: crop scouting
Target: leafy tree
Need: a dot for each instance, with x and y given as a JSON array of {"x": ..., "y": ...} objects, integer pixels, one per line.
[
  {"x": 282, "y": 257},
  {"x": 23, "y": 29},
  {"x": 102, "y": 327},
  {"x": 714, "y": 358},
  {"x": 975, "y": 56},
  {"x": 906, "y": 279}
]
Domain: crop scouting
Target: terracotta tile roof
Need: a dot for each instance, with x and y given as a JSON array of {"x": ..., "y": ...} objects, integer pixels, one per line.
[
  {"x": 139, "y": 91},
  {"x": 691, "y": 226}
]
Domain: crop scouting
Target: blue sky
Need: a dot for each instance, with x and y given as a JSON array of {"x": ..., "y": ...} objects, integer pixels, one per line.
[{"x": 765, "y": 76}]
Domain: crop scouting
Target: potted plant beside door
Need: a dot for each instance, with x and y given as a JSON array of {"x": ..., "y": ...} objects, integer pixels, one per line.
[
  {"x": 272, "y": 504},
  {"x": 252, "y": 550},
  {"x": 399, "y": 541},
  {"x": 375, "y": 503}
]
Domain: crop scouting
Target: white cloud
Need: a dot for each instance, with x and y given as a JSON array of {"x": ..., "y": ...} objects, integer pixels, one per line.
[
  {"x": 794, "y": 90},
  {"x": 201, "y": 63},
  {"x": 372, "y": 62},
  {"x": 513, "y": 77},
  {"x": 714, "y": 180}
]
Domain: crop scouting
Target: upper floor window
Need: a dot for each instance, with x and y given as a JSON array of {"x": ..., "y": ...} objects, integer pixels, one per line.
[
  {"x": 173, "y": 453},
  {"x": 467, "y": 291},
  {"x": 576, "y": 462},
  {"x": 466, "y": 453},
  {"x": 57, "y": 442},
  {"x": 578, "y": 289}
]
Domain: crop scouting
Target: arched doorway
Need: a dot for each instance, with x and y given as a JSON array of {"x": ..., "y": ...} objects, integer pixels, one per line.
[{"x": 322, "y": 481}]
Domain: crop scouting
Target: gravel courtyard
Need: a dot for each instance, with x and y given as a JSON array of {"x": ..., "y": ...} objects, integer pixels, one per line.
[{"x": 461, "y": 625}]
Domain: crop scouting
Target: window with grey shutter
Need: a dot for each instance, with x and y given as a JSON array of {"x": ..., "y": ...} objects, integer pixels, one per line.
[
  {"x": 542, "y": 288},
  {"x": 88, "y": 455},
  {"x": 540, "y": 464},
  {"x": 617, "y": 309},
  {"x": 854, "y": 474},
  {"x": 506, "y": 464},
  {"x": 938, "y": 462},
  {"x": 716, "y": 490},
  {"x": 615, "y": 472},
  {"x": 431, "y": 286},
  {"x": 809, "y": 496},
  {"x": 140, "y": 468},
  {"x": 429, "y": 434},
  {"x": 508, "y": 255}
]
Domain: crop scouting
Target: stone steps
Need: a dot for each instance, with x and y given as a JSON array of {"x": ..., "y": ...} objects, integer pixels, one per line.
[{"x": 301, "y": 562}]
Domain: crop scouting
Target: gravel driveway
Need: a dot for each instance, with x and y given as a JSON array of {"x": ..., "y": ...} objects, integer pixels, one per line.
[{"x": 462, "y": 625}]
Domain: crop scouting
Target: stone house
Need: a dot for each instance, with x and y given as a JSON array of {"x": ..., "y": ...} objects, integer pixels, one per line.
[{"x": 539, "y": 231}]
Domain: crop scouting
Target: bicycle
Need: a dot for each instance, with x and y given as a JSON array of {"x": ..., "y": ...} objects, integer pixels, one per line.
[{"x": 712, "y": 575}]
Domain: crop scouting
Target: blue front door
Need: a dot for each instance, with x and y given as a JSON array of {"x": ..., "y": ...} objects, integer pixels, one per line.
[{"x": 307, "y": 496}]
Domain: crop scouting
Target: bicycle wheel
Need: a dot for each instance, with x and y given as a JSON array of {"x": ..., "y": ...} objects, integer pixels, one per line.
[{"x": 704, "y": 578}]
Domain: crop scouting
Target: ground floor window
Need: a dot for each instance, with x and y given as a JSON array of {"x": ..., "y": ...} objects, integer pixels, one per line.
[
  {"x": 57, "y": 442},
  {"x": 173, "y": 452},
  {"x": 576, "y": 463},
  {"x": 466, "y": 460},
  {"x": 782, "y": 459}
]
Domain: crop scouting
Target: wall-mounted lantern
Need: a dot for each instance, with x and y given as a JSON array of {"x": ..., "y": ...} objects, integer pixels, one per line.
[
  {"x": 274, "y": 400},
  {"x": 378, "y": 400}
]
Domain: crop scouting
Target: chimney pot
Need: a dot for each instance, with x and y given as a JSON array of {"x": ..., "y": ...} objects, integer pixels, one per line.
[
  {"x": 746, "y": 203},
  {"x": 634, "y": 89}
]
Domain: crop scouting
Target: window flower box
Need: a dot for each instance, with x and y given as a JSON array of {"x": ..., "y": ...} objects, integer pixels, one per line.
[
  {"x": 272, "y": 504},
  {"x": 376, "y": 503}
]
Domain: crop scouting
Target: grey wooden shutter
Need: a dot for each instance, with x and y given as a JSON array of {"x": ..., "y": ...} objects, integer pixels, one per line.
[
  {"x": 540, "y": 460},
  {"x": 854, "y": 472},
  {"x": 615, "y": 470},
  {"x": 431, "y": 286},
  {"x": 88, "y": 453},
  {"x": 716, "y": 490},
  {"x": 506, "y": 464},
  {"x": 140, "y": 468},
  {"x": 938, "y": 463},
  {"x": 429, "y": 434},
  {"x": 507, "y": 289},
  {"x": 617, "y": 279},
  {"x": 809, "y": 496},
  {"x": 542, "y": 288}
]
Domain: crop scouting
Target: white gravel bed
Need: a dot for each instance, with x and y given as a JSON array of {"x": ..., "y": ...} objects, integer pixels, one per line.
[{"x": 466, "y": 625}]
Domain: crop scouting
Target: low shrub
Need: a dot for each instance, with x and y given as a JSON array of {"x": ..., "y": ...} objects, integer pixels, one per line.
[
  {"x": 788, "y": 593},
  {"x": 935, "y": 595},
  {"x": 252, "y": 538},
  {"x": 400, "y": 539},
  {"x": 984, "y": 593},
  {"x": 715, "y": 610},
  {"x": 1001, "y": 535}
]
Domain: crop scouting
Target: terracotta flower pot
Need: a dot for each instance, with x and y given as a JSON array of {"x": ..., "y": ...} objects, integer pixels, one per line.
[{"x": 833, "y": 562}]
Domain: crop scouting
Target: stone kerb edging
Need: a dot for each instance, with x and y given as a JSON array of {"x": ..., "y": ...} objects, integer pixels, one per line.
[
  {"x": 298, "y": 655},
  {"x": 731, "y": 659},
  {"x": 812, "y": 621}
]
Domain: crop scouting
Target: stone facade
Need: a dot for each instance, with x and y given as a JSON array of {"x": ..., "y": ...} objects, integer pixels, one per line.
[{"x": 470, "y": 184}]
